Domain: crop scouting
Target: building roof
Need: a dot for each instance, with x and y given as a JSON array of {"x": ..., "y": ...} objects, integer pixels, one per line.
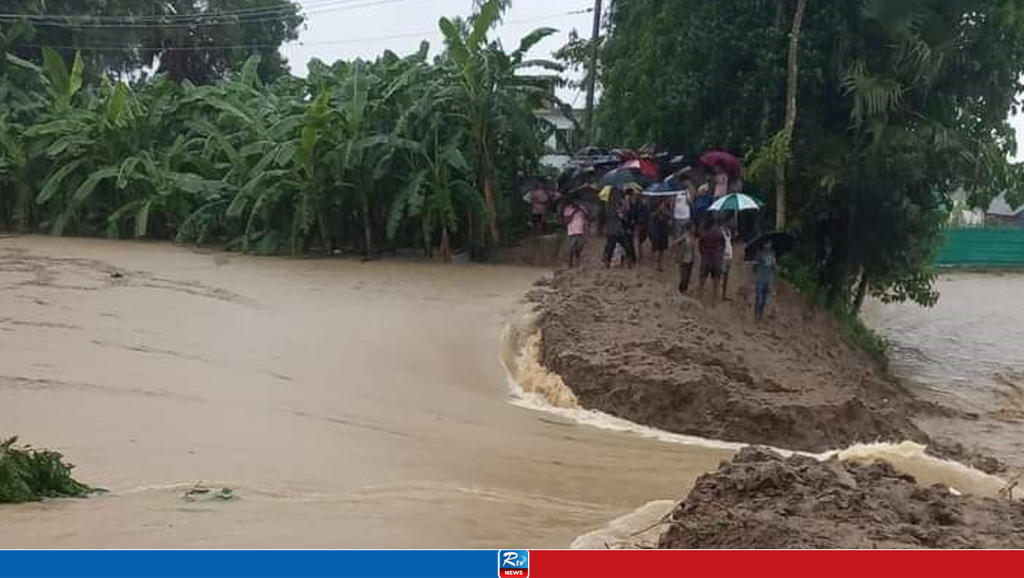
[{"x": 1001, "y": 208}]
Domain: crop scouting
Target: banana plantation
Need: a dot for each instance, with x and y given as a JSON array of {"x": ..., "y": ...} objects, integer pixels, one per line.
[{"x": 417, "y": 151}]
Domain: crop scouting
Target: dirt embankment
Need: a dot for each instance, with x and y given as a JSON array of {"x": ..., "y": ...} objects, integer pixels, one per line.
[
  {"x": 761, "y": 500},
  {"x": 628, "y": 344}
]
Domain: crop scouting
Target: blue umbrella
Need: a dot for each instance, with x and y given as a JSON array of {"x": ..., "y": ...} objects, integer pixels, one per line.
[
  {"x": 622, "y": 178},
  {"x": 664, "y": 189}
]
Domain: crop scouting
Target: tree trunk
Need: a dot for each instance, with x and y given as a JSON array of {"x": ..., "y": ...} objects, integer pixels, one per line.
[
  {"x": 862, "y": 292},
  {"x": 792, "y": 72},
  {"x": 446, "y": 247},
  {"x": 766, "y": 113},
  {"x": 428, "y": 245},
  {"x": 490, "y": 197},
  {"x": 22, "y": 206},
  {"x": 367, "y": 224},
  {"x": 325, "y": 232}
]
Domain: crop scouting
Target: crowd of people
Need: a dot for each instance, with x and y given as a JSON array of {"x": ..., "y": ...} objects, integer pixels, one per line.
[{"x": 683, "y": 224}]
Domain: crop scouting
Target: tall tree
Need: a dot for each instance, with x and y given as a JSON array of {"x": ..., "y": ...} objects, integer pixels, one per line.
[
  {"x": 197, "y": 40},
  {"x": 901, "y": 103},
  {"x": 792, "y": 75}
]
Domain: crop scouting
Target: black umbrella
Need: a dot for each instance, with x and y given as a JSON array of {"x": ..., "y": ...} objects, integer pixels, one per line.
[
  {"x": 584, "y": 193},
  {"x": 782, "y": 243},
  {"x": 623, "y": 177},
  {"x": 664, "y": 189}
]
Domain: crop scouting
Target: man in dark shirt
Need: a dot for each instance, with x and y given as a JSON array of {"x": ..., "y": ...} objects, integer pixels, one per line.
[
  {"x": 619, "y": 227},
  {"x": 712, "y": 253}
]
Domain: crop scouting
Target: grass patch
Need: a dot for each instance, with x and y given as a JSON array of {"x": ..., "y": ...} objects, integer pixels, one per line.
[
  {"x": 30, "y": 475},
  {"x": 863, "y": 336},
  {"x": 854, "y": 329}
]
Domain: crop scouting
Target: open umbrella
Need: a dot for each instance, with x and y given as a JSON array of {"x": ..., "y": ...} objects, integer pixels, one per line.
[
  {"x": 729, "y": 163},
  {"x": 736, "y": 202},
  {"x": 585, "y": 193},
  {"x": 625, "y": 154},
  {"x": 782, "y": 243},
  {"x": 663, "y": 189},
  {"x": 623, "y": 177}
]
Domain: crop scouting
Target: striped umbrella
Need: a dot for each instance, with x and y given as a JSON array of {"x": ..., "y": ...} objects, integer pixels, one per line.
[{"x": 736, "y": 202}]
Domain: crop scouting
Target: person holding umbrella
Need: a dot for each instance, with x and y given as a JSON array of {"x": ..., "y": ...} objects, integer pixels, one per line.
[
  {"x": 719, "y": 182},
  {"x": 576, "y": 219},
  {"x": 701, "y": 204},
  {"x": 681, "y": 210},
  {"x": 661, "y": 222},
  {"x": 712, "y": 253},
  {"x": 619, "y": 226},
  {"x": 539, "y": 198},
  {"x": 764, "y": 251},
  {"x": 726, "y": 168},
  {"x": 764, "y": 275}
]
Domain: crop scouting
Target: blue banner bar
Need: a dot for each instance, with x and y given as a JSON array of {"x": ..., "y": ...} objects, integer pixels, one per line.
[{"x": 249, "y": 564}]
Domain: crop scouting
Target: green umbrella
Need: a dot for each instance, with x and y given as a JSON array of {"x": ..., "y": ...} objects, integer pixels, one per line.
[{"x": 736, "y": 202}]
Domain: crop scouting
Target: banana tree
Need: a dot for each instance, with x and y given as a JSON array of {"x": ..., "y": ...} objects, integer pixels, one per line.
[
  {"x": 161, "y": 190},
  {"x": 495, "y": 97},
  {"x": 83, "y": 142},
  {"x": 435, "y": 193}
]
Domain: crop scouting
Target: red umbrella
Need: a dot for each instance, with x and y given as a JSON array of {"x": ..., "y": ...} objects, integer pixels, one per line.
[
  {"x": 650, "y": 168},
  {"x": 647, "y": 167},
  {"x": 727, "y": 161}
]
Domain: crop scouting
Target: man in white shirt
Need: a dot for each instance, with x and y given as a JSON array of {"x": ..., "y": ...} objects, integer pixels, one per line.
[{"x": 681, "y": 213}]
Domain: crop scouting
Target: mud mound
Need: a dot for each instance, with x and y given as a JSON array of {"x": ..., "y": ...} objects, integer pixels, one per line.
[
  {"x": 628, "y": 344},
  {"x": 537, "y": 251},
  {"x": 761, "y": 500}
]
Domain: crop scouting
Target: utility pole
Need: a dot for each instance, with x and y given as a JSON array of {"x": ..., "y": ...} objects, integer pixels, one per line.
[{"x": 592, "y": 78}]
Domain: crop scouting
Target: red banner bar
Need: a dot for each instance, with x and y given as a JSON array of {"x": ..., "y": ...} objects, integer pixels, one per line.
[{"x": 777, "y": 564}]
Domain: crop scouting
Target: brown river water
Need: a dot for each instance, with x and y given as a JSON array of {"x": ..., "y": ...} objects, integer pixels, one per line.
[
  {"x": 967, "y": 353},
  {"x": 346, "y": 404}
]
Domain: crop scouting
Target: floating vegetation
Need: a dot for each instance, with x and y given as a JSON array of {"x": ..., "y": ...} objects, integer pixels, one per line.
[{"x": 29, "y": 475}]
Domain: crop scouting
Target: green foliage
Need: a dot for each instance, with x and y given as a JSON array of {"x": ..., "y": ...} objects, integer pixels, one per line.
[
  {"x": 900, "y": 104},
  {"x": 801, "y": 276},
  {"x": 28, "y": 475},
  {"x": 358, "y": 156},
  {"x": 198, "y": 30},
  {"x": 864, "y": 337}
]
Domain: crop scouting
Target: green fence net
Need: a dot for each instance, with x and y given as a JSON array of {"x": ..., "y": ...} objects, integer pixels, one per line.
[{"x": 982, "y": 247}]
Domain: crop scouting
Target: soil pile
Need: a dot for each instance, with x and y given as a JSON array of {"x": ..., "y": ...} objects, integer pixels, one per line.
[
  {"x": 761, "y": 500},
  {"x": 628, "y": 344}
]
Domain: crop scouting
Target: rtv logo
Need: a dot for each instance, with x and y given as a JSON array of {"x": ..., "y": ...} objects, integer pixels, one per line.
[{"x": 513, "y": 563}]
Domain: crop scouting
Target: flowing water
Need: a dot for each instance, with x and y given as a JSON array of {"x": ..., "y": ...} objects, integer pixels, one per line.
[
  {"x": 346, "y": 404},
  {"x": 967, "y": 353}
]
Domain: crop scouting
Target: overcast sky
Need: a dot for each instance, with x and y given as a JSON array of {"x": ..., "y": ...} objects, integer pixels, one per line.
[
  {"x": 347, "y": 29},
  {"x": 364, "y": 28}
]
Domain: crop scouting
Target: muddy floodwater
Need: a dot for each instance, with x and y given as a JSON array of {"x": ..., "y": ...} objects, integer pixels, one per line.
[
  {"x": 346, "y": 404},
  {"x": 352, "y": 404},
  {"x": 967, "y": 353}
]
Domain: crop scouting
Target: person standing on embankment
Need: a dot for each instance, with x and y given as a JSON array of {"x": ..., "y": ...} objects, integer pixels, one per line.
[{"x": 764, "y": 276}]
